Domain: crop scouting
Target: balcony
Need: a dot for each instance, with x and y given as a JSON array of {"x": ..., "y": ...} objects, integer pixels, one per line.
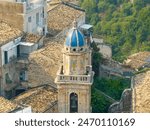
[{"x": 78, "y": 79}]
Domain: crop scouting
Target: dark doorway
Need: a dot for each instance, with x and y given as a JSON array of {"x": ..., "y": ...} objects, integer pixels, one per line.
[
  {"x": 44, "y": 31},
  {"x": 73, "y": 103},
  {"x": 19, "y": 91},
  {"x": 18, "y": 50}
]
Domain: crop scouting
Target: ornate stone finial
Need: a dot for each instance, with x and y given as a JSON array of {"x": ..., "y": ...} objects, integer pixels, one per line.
[{"x": 75, "y": 23}]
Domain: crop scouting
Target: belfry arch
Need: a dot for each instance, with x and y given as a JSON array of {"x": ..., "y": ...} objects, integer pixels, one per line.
[{"x": 73, "y": 103}]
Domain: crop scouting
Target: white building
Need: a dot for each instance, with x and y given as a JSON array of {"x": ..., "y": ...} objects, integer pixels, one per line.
[
  {"x": 14, "y": 46},
  {"x": 34, "y": 14}
]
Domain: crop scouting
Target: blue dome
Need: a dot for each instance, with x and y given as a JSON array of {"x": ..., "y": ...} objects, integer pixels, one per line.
[{"x": 75, "y": 38}]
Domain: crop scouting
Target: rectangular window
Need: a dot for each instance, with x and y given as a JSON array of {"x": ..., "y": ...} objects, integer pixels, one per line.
[
  {"x": 37, "y": 18},
  {"x": 29, "y": 19},
  {"x": 43, "y": 12},
  {"x": 23, "y": 76},
  {"x": 7, "y": 79},
  {"x": 5, "y": 57}
]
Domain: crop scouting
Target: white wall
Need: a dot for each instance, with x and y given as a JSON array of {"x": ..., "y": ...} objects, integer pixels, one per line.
[
  {"x": 28, "y": 49},
  {"x": 31, "y": 10},
  {"x": 37, "y": 1},
  {"x": 25, "y": 110},
  {"x": 32, "y": 27},
  {"x": 81, "y": 20},
  {"x": 11, "y": 48}
]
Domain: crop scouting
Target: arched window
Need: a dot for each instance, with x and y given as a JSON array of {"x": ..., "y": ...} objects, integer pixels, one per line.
[{"x": 73, "y": 103}]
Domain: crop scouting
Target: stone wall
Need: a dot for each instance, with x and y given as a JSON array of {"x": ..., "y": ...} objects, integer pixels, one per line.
[
  {"x": 84, "y": 97},
  {"x": 105, "y": 50},
  {"x": 135, "y": 99},
  {"x": 12, "y": 13},
  {"x": 141, "y": 93},
  {"x": 10, "y": 79},
  {"x": 124, "y": 105},
  {"x": 9, "y": 7}
]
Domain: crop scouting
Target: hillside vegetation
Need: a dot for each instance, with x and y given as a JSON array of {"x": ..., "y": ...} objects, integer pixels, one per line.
[
  {"x": 125, "y": 24},
  {"x": 105, "y": 89}
]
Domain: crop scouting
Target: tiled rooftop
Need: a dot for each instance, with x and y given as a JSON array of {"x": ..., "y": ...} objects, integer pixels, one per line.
[
  {"x": 6, "y": 105},
  {"x": 8, "y": 33},
  {"x": 44, "y": 63},
  {"x": 40, "y": 99},
  {"x": 138, "y": 60},
  {"x": 61, "y": 17},
  {"x": 31, "y": 38}
]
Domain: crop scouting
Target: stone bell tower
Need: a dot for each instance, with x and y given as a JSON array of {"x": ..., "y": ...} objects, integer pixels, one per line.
[{"x": 75, "y": 76}]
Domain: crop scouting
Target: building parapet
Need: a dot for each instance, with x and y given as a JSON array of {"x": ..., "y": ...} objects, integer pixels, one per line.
[
  {"x": 80, "y": 79},
  {"x": 74, "y": 78}
]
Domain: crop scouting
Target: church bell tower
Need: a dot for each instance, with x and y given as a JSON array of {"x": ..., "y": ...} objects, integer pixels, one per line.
[{"x": 75, "y": 76}]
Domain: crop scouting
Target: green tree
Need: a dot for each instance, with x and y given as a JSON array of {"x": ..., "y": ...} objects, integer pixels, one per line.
[
  {"x": 94, "y": 19},
  {"x": 124, "y": 25},
  {"x": 138, "y": 4},
  {"x": 90, "y": 7},
  {"x": 97, "y": 57},
  {"x": 100, "y": 104}
]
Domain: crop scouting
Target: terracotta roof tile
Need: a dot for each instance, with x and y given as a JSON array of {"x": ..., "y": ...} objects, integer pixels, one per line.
[
  {"x": 138, "y": 60},
  {"x": 40, "y": 99},
  {"x": 61, "y": 17},
  {"x": 44, "y": 63},
  {"x": 31, "y": 38},
  {"x": 8, "y": 33},
  {"x": 6, "y": 105}
]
